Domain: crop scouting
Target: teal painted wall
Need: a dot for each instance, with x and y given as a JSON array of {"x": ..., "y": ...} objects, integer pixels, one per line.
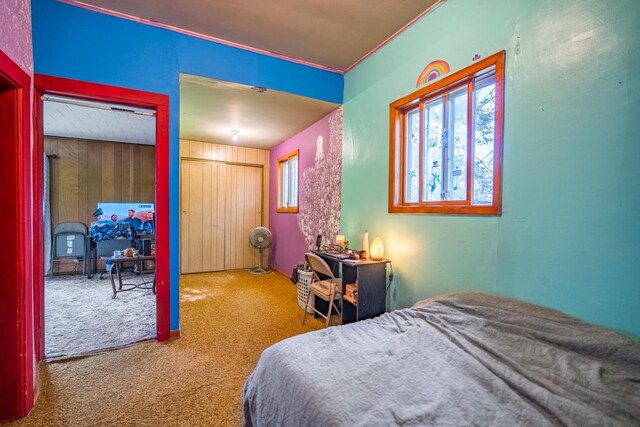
[{"x": 569, "y": 236}]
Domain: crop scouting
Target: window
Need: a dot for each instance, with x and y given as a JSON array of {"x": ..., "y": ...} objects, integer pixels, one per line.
[
  {"x": 446, "y": 144},
  {"x": 288, "y": 183}
]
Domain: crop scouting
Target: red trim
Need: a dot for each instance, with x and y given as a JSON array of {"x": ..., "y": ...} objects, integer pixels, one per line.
[
  {"x": 99, "y": 92},
  {"x": 37, "y": 171},
  {"x": 16, "y": 320},
  {"x": 162, "y": 227}
]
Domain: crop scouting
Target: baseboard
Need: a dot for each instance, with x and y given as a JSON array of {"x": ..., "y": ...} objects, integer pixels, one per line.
[
  {"x": 287, "y": 275},
  {"x": 37, "y": 384}
]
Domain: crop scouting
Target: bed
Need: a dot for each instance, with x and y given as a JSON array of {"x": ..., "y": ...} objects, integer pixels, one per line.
[{"x": 456, "y": 359}]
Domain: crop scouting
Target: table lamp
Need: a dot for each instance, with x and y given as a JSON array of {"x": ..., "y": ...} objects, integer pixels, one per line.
[{"x": 376, "y": 250}]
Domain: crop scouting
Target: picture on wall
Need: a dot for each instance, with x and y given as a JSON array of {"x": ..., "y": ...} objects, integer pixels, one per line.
[{"x": 141, "y": 216}]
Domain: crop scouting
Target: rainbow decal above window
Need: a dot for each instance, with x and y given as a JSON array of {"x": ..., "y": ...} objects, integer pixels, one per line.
[{"x": 432, "y": 71}]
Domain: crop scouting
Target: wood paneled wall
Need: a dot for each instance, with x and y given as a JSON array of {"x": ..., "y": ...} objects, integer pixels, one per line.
[
  {"x": 235, "y": 230},
  {"x": 202, "y": 216},
  {"x": 233, "y": 154},
  {"x": 243, "y": 215},
  {"x": 86, "y": 172},
  {"x": 220, "y": 204}
]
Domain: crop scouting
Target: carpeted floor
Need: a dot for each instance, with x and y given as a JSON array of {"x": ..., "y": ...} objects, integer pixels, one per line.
[
  {"x": 81, "y": 317},
  {"x": 228, "y": 318}
]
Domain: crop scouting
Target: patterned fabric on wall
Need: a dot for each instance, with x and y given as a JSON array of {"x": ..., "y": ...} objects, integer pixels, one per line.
[{"x": 320, "y": 188}]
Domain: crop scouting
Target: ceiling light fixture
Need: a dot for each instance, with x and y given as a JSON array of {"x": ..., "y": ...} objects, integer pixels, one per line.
[{"x": 235, "y": 135}]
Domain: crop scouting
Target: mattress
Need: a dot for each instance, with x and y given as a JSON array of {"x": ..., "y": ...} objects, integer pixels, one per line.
[{"x": 457, "y": 359}]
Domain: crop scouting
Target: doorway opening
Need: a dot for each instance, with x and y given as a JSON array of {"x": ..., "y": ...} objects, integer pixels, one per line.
[
  {"x": 102, "y": 187},
  {"x": 99, "y": 200},
  {"x": 227, "y": 131}
]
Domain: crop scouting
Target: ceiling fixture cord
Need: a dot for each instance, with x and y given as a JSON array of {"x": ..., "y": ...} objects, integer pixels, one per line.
[{"x": 80, "y": 103}]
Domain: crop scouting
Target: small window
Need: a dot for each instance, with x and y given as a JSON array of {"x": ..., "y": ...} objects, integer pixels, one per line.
[
  {"x": 288, "y": 183},
  {"x": 446, "y": 144}
]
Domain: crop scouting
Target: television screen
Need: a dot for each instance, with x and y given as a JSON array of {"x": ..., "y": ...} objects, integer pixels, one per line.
[{"x": 141, "y": 216}]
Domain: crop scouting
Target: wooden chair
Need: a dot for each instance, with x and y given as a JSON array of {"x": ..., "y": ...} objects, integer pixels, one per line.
[{"x": 329, "y": 289}]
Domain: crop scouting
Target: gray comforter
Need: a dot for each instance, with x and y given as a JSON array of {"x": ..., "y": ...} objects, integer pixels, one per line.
[{"x": 458, "y": 359}]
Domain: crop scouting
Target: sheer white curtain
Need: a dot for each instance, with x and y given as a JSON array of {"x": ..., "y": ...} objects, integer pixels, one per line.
[{"x": 46, "y": 215}]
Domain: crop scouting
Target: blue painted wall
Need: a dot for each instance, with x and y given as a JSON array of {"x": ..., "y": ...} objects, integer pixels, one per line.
[
  {"x": 78, "y": 44},
  {"x": 569, "y": 236}
]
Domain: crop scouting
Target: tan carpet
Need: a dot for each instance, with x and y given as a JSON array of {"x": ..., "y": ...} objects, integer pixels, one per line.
[
  {"x": 81, "y": 317},
  {"x": 227, "y": 320}
]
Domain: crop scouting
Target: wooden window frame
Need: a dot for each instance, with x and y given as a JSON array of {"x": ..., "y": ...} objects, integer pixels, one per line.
[
  {"x": 279, "y": 163},
  {"x": 398, "y": 112}
]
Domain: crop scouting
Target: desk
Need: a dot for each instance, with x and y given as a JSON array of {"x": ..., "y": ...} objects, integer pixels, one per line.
[
  {"x": 371, "y": 279},
  {"x": 117, "y": 266}
]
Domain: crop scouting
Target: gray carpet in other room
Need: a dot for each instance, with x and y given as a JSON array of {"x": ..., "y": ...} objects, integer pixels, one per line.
[{"x": 81, "y": 317}]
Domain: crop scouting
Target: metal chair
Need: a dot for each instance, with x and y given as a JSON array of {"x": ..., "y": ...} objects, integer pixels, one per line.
[
  {"x": 70, "y": 242},
  {"x": 328, "y": 290}
]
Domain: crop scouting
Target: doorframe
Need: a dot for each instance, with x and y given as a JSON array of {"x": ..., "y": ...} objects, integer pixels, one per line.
[
  {"x": 45, "y": 84},
  {"x": 16, "y": 322}
]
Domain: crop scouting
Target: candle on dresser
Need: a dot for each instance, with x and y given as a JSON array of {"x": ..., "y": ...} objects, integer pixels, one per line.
[{"x": 365, "y": 244}]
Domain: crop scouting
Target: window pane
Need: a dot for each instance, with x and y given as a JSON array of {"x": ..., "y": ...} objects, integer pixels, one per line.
[
  {"x": 433, "y": 119},
  {"x": 412, "y": 156},
  {"x": 456, "y": 141},
  {"x": 485, "y": 109},
  {"x": 285, "y": 184},
  {"x": 459, "y": 154},
  {"x": 293, "y": 192}
]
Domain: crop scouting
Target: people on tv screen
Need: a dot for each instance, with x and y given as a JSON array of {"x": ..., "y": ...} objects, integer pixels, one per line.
[
  {"x": 136, "y": 223},
  {"x": 148, "y": 225}
]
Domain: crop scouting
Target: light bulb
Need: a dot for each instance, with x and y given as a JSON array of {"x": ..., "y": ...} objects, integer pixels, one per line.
[{"x": 234, "y": 135}]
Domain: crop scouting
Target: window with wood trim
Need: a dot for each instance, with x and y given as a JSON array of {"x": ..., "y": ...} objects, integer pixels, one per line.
[
  {"x": 288, "y": 183},
  {"x": 446, "y": 144}
]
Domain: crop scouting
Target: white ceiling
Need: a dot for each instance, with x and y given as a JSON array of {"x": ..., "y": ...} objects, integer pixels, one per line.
[
  {"x": 210, "y": 109},
  {"x": 85, "y": 122},
  {"x": 330, "y": 33}
]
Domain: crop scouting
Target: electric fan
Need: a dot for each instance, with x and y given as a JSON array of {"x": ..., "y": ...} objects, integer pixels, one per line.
[{"x": 260, "y": 238}]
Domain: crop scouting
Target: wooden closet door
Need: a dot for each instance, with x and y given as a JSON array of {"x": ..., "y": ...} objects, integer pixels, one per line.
[
  {"x": 202, "y": 217},
  {"x": 243, "y": 214}
]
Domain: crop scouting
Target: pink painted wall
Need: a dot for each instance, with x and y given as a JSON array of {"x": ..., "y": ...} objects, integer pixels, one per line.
[
  {"x": 320, "y": 166},
  {"x": 15, "y": 32}
]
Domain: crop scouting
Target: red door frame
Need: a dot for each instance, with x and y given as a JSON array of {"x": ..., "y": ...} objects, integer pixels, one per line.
[
  {"x": 16, "y": 298},
  {"x": 99, "y": 92}
]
